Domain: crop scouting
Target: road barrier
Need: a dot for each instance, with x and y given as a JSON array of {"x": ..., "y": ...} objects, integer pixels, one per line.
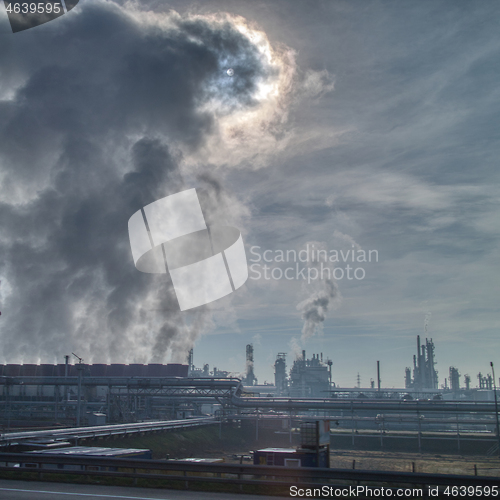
[{"x": 174, "y": 471}]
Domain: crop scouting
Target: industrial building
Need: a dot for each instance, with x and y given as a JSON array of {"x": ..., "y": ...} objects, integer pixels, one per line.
[
  {"x": 84, "y": 397},
  {"x": 425, "y": 378},
  {"x": 94, "y": 451},
  {"x": 485, "y": 381},
  {"x": 250, "y": 378},
  {"x": 454, "y": 380},
  {"x": 98, "y": 394},
  {"x": 280, "y": 378},
  {"x": 85, "y": 451},
  {"x": 204, "y": 372},
  {"x": 94, "y": 394},
  {"x": 308, "y": 377},
  {"x": 314, "y": 449},
  {"x": 424, "y": 374}
]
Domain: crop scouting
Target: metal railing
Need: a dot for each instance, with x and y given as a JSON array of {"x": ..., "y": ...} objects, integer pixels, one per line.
[{"x": 171, "y": 471}]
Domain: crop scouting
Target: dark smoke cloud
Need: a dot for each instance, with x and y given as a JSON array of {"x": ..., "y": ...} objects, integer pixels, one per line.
[{"x": 91, "y": 134}]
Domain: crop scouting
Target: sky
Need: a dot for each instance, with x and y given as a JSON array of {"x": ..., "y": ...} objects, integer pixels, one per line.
[{"x": 365, "y": 129}]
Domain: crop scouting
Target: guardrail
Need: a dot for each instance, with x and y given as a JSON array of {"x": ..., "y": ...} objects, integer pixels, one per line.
[
  {"x": 187, "y": 473},
  {"x": 12, "y": 438}
]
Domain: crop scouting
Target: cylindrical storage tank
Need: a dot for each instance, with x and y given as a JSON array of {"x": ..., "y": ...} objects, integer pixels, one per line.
[
  {"x": 46, "y": 370},
  {"x": 115, "y": 370},
  {"x": 59, "y": 370},
  {"x": 153, "y": 370},
  {"x": 135, "y": 370},
  {"x": 72, "y": 371},
  {"x": 28, "y": 370},
  {"x": 176, "y": 370},
  {"x": 12, "y": 370},
  {"x": 98, "y": 370}
]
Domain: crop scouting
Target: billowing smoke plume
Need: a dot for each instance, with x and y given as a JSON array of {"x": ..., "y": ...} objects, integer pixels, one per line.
[
  {"x": 324, "y": 295},
  {"x": 99, "y": 113},
  {"x": 315, "y": 308},
  {"x": 295, "y": 347}
]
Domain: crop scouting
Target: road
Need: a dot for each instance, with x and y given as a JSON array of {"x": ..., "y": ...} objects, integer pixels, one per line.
[{"x": 35, "y": 490}]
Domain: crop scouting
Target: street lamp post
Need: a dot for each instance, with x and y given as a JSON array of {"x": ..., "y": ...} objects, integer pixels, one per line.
[
  {"x": 80, "y": 367},
  {"x": 496, "y": 404}
]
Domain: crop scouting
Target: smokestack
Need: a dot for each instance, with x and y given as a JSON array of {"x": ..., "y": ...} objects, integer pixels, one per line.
[
  {"x": 304, "y": 354},
  {"x": 250, "y": 376},
  {"x": 378, "y": 375},
  {"x": 191, "y": 360},
  {"x": 66, "y": 366},
  {"x": 419, "y": 363}
]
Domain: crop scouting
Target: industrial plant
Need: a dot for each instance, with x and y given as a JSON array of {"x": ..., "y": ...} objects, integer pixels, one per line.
[
  {"x": 111, "y": 393},
  {"x": 302, "y": 419},
  {"x": 308, "y": 377},
  {"x": 424, "y": 374}
]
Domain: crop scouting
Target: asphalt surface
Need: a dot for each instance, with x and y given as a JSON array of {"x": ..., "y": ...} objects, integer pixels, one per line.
[{"x": 34, "y": 490}]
